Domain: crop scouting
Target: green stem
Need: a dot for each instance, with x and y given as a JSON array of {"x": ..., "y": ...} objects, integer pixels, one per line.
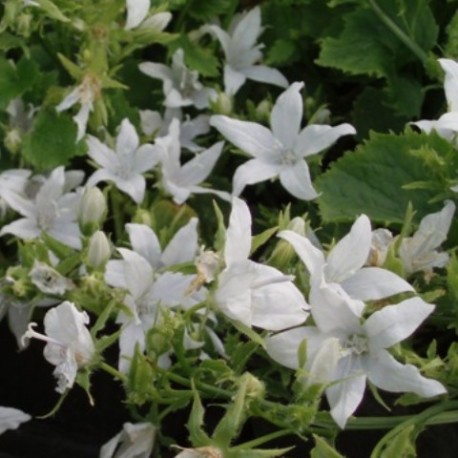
[
  {"x": 399, "y": 33},
  {"x": 112, "y": 371},
  {"x": 117, "y": 213},
  {"x": 261, "y": 440},
  {"x": 204, "y": 386}
]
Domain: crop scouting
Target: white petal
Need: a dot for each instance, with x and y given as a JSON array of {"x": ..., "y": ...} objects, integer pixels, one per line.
[
  {"x": 11, "y": 418},
  {"x": 253, "y": 171},
  {"x": 351, "y": 252},
  {"x": 132, "y": 334},
  {"x": 390, "y": 375},
  {"x": 183, "y": 246},
  {"x": 67, "y": 233},
  {"x": 146, "y": 157},
  {"x": 265, "y": 74},
  {"x": 233, "y": 79},
  {"x": 145, "y": 242},
  {"x": 286, "y": 116},
  {"x": 394, "y": 323},
  {"x": 248, "y": 29},
  {"x": 374, "y": 283},
  {"x": 70, "y": 100},
  {"x": 134, "y": 186},
  {"x": 238, "y": 234},
  {"x": 150, "y": 121},
  {"x": 222, "y": 37},
  {"x": 296, "y": 180},
  {"x": 451, "y": 82},
  {"x": 115, "y": 274},
  {"x": 315, "y": 138},
  {"x": 159, "y": 71},
  {"x": 81, "y": 119},
  {"x": 283, "y": 347},
  {"x": 312, "y": 257},
  {"x": 100, "y": 152},
  {"x": 157, "y": 22},
  {"x": 333, "y": 310},
  {"x": 127, "y": 140},
  {"x": 136, "y": 12},
  {"x": 23, "y": 228},
  {"x": 197, "y": 169},
  {"x": 137, "y": 271},
  {"x": 344, "y": 397},
  {"x": 253, "y": 138}
]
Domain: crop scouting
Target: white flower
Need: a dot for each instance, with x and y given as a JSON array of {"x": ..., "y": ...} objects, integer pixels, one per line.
[
  {"x": 125, "y": 166},
  {"x": 363, "y": 351},
  {"x": 153, "y": 123},
  {"x": 252, "y": 293},
  {"x": 51, "y": 211},
  {"x": 343, "y": 270},
  {"x": 181, "y": 86},
  {"x": 280, "y": 151},
  {"x": 243, "y": 54},
  {"x": 84, "y": 94},
  {"x": 447, "y": 125},
  {"x": 48, "y": 280},
  {"x": 69, "y": 344},
  {"x": 183, "y": 180},
  {"x": 419, "y": 252},
  {"x": 147, "y": 288},
  {"x": 11, "y": 418},
  {"x": 136, "y": 440}
]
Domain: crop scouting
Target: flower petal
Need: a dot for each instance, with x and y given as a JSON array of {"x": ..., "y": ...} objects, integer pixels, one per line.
[
  {"x": 253, "y": 138},
  {"x": 351, "y": 252},
  {"x": 265, "y": 74},
  {"x": 233, "y": 79},
  {"x": 145, "y": 242},
  {"x": 238, "y": 234},
  {"x": 183, "y": 246},
  {"x": 159, "y": 71},
  {"x": 394, "y": 323},
  {"x": 136, "y": 12},
  {"x": 316, "y": 137},
  {"x": 312, "y": 257},
  {"x": 286, "y": 116},
  {"x": 253, "y": 171},
  {"x": 296, "y": 180},
  {"x": 100, "y": 152},
  {"x": 451, "y": 82},
  {"x": 11, "y": 418},
  {"x": 137, "y": 272},
  {"x": 127, "y": 140},
  {"x": 390, "y": 375},
  {"x": 374, "y": 283}
]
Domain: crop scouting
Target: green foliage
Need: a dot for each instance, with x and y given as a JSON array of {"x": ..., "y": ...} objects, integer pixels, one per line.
[
  {"x": 51, "y": 141},
  {"x": 323, "y": 450},
  {"x": 374, "y": 179}
]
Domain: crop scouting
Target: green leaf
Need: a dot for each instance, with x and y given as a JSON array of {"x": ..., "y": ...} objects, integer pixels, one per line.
[
  {"x": 14, "y": 81},
  {"x": 401, "y": 445},
  {"x": 260, "y": 239},
  {"x": 203, "y": 10},
  {"x": 52, "y": 10},
  {"x": 371, "y": 180},
  {"x": 197, "y": 435},
  {"x": 51, "y": 141},
  {"x": 323, "y": 450}
]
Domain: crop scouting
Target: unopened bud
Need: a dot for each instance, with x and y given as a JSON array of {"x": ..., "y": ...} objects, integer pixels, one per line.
[
  {"x": 223, "y": 104},
  {"x": 13, "y": 140},
  {"x": 93, "y": 206},
  {"x": 99, "y": 250},
  {"x": 263, "y": 110}
]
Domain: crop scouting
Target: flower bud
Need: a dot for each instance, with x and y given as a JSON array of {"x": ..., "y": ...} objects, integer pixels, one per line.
[
  {"x": 263, "y": 111},
  {"x": 92, "y": 207},
  {"x": 223, "y": 104},
  {"x": 99, "y": 250}
]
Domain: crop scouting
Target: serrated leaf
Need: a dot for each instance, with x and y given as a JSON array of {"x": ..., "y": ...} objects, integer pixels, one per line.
[
  {"x": 281, "y": 52},
  {"x": 197, "y": 435},
  {"x": 405, "y": 95},
  {"x": 51, "y": 141},
  {"x": 371, "y": 180}
]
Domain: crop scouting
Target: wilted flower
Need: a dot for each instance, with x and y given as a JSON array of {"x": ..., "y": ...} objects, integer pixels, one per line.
[
  {"x": 136, "y": 440},
  {"x": 419, "y": 252},
  {"x": 11, "y": 418},
  {"x": 69, "y": 344},
  {"x": 381, "y": 241},
  {"x": 48, "y": 280}
]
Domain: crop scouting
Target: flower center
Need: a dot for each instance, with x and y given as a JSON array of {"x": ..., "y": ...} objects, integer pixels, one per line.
[{"x": 355, "y": 344}]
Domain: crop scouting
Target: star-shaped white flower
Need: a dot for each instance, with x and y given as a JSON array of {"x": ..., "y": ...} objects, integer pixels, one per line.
[
  {"x": 181, "y": 85},
  {"x": 148, "y": 287},
  {"x": 419, "y": 252},
  {"x": 137, "y": 16},
  {"x": 52, "y": 211},
  {"x": 252, "y": 293},
  {"x": 243, "y": 54},
  {"x": 343, "y": 269},
  {"x": 280, "y": 151},
  {"x": 69, "y": 345},
  {"x": 125, "y": 166},
  {"x": 361, "y": 351},
  {"x": 183, "y": 180}
]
